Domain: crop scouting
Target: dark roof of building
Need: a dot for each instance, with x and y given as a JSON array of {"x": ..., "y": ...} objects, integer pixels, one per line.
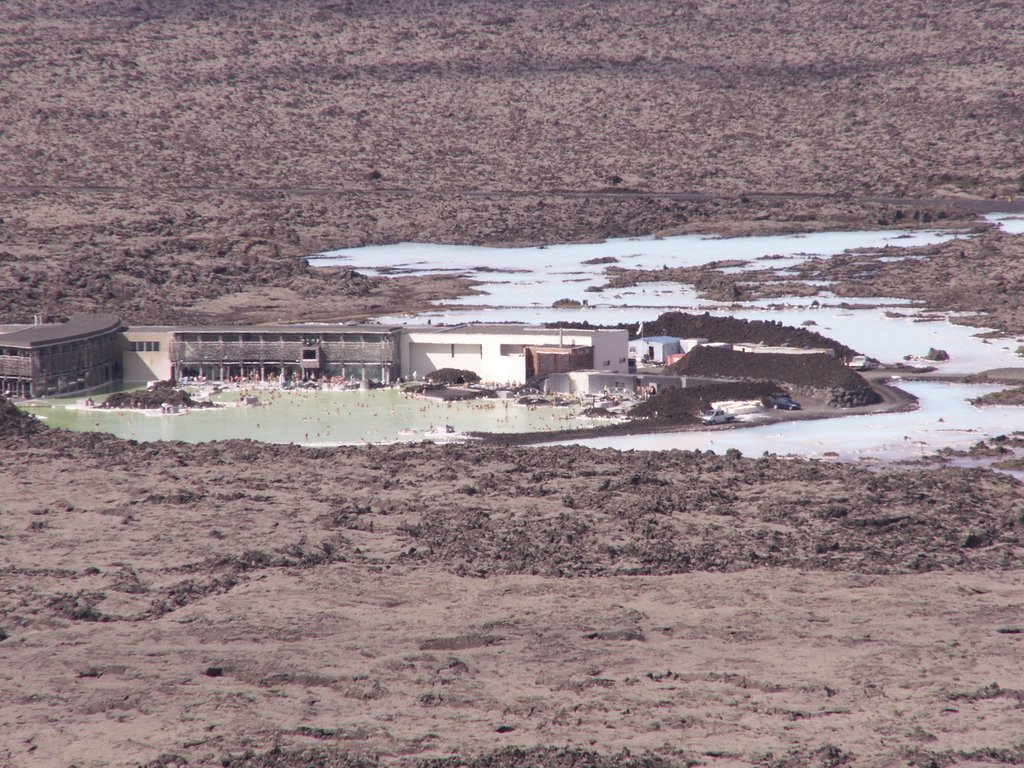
[{"x": 77, "y": 327}]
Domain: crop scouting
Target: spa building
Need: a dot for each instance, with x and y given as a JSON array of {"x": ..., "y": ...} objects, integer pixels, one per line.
[
  {"x": 90, "y": 351},
  {"x": 49, "y": 359}
]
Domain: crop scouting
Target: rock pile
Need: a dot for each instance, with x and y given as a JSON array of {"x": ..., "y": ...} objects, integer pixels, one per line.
[
  {"x": 810, "y": 375},
  {"x": 734, "y": 330}
]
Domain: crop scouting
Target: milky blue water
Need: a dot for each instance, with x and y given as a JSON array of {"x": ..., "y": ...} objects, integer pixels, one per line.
[{"x": 529, "y": 280}]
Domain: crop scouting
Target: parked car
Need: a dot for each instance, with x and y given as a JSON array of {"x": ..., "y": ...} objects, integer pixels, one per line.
[
  {"x": 716, "y": 417},
  {"x": 785, "y": 404}
]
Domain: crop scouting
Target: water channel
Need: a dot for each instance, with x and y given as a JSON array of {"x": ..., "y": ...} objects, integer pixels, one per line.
[{"x": 520, "y": 285}]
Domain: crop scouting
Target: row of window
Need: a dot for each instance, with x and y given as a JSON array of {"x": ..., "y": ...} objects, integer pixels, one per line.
[
  {"x": 144, "y": 346},
  {"x": 323, "y": 338}
]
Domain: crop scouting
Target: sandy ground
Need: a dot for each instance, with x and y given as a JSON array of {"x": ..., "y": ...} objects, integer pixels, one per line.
[
  {"x": 412, "y": 662},
  {"x": 431, "y": 601}
]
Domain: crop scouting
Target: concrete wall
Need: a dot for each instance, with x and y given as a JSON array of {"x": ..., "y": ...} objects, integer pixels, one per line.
[
  {"x": 426, "y": 351},
  {"x": 426, "y": 356},
  {"x": 596, "y": 382},
  {"x": 611, "y": 351},
  {"x": 764, "y": 349},
  {"x": 499, "y": 357},
  {"x": 146, "y": 364}
]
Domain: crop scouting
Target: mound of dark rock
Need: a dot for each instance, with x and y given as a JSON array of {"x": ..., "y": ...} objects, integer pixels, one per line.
[
  {"x": 163, "y": 392},
  {"x": 813, "y": 375},
  {"x": 684, "y": 406},
  {"x": 16, "y": 424},
  {"x": 735, "y": 331},
  {"x": 598, "y": 413},
  {"x": 451, "y": 376},
  {"x": 1011, "y": 396},
  {"x": 852, "y": 398}
]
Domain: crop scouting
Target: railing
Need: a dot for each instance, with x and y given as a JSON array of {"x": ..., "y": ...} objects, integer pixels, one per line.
[
  {"x": 188, "y": 352},
  {"x": 15, "y": 366}
]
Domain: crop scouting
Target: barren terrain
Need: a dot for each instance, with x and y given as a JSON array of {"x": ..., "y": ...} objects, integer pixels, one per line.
[
  {"x": 163, "y": 161},
  {"x": 250, "y": 605},
  {"x": 201, "y": 601}
]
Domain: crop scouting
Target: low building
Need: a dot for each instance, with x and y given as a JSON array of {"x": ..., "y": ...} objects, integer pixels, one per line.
[
  {"x": 591, "y": 383},
  {"x": 48, "y": 359},
  {"x": 654, "y": 349},
  {"x": 281, "y": 352},
  {"x": 94, "y": 350},
  {"x": 511, "y": 354}
]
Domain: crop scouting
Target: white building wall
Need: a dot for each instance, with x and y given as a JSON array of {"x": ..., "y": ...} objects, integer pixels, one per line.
[
  {"x": 498, "y": 358},
  {"x": 152, "y": 361},
  {"x": 594, "y": 383},
  {"x": 611, "y": 351},
  {"x": 765, "y": 349}
]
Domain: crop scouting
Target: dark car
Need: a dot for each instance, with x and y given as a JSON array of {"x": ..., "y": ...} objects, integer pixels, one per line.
[{"x": 785, "y": 404}]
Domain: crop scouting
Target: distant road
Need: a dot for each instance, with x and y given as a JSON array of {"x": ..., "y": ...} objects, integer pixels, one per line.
[{"x": 972, "y": 205}]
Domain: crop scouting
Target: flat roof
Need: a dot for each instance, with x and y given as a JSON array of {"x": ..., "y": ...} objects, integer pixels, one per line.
[
  {"x": 299, "y": 328},
  {"x": 497, "y": 329},
  {"x": 77, "y": 327}
]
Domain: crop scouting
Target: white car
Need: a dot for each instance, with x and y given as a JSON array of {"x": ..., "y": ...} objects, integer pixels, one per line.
[{"x": 717, "y": 416}]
